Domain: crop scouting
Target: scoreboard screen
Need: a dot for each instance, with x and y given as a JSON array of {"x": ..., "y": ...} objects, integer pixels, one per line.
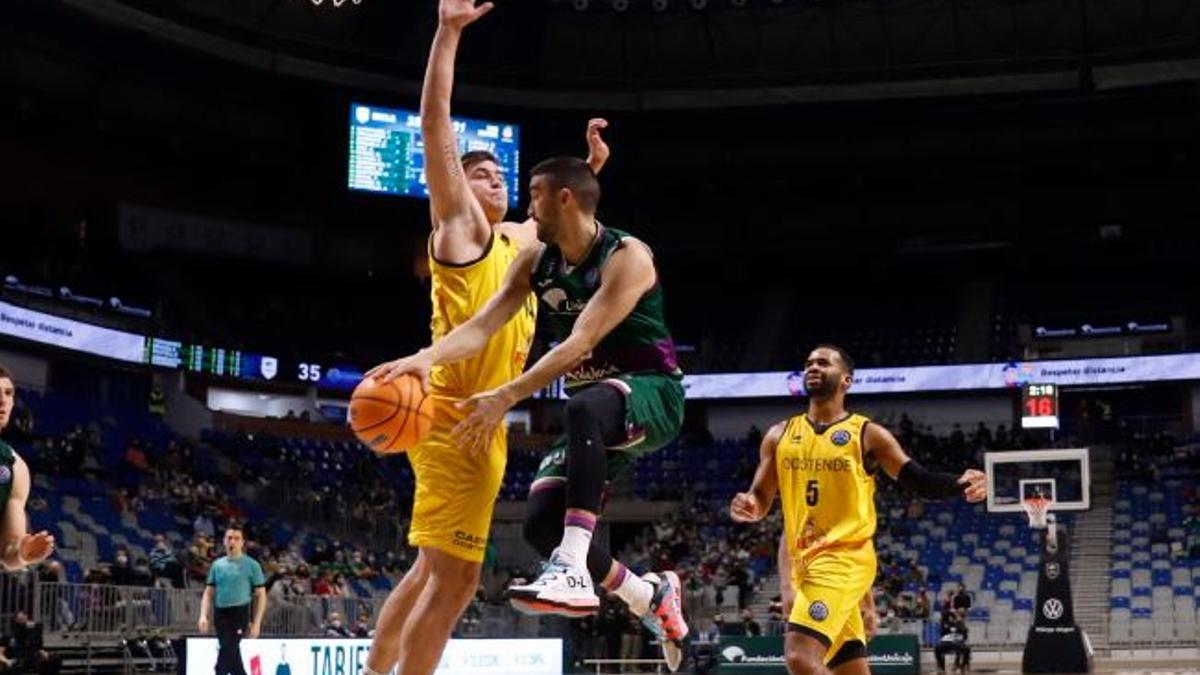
[
  {"x": 1039, "y": 406},
  {"x": 387, "y": 153}
]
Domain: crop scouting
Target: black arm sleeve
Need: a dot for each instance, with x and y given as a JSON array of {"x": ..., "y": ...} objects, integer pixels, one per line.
[{"x": 927, "y": 484}]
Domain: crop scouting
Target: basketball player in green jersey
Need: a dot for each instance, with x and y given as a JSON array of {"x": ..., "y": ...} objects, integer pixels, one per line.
[
  {"x": 599, "y": 291},
  {"x": 823, "y": 465},
  {"x": 20, "y": 548}
]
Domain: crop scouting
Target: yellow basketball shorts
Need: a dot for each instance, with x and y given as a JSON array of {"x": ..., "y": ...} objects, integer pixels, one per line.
[
  {"x": 455, "y": 490},
  {"x": 829, "y": 586}
]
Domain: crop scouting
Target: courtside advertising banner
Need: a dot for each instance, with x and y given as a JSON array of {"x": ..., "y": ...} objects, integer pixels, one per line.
[
  {"x": 28, "y": 324},
  {"x": 978, "y": 376},
  {"x": 300, "y": 656}
]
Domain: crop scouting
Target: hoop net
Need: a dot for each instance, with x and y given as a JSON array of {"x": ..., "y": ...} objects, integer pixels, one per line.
[{"x": 1037, "y": 508}]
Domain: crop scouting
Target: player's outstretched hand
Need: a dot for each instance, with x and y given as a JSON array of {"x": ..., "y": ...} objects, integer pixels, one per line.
[
  {"x": 485, "y": 412},
  {"x": 745, "y": 508},
  {"x": 976, "y": 482},
  {"x": 598, "y": 150},
  {"x": 34, "y": 548},
  {"x": 418, "y": 364},
  {"x": 461, "y": 13}
]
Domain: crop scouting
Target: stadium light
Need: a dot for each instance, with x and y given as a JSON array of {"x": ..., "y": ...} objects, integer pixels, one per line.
[
  {"x": 659, "y": 5},
  {"x": 620, "y": 5},
  {"x": 699, "y": 4},
  {"x": 580, "y": 5}
]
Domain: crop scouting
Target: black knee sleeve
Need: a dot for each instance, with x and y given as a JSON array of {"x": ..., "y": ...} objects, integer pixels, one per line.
[
  {"x": 543, "y": 526},
  {"x": 595, "y": 420}
]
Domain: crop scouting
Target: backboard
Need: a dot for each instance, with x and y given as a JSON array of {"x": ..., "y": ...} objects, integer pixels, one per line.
[{"x": 1016, "y": 475}]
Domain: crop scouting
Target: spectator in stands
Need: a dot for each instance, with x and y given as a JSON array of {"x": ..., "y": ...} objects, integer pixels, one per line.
[
  {"x": 921, "y": 604},
  {"x": 123, "y": 573},
  {"x": 203, "y": 525},
  {"x": 948, "y": 602},
  {"x": 334, "y": 626},
  {"x": 750, "y": 627},
  {"x": 713, "y": 634},
  {"x": 28, "y": 652},
  {"x": 730, "y": 628},
  {"x": 913, "y": 574},
  {"x": 775, "y": 618},
  {"x": 362, "y": 627},
  {"x": 164, "y": 563},
  {"x": 962, "y": 600},
  {"x": 135, "y": 456},
  {"x": 953, "y": 641},
  {"x": 322, "y": 585}
]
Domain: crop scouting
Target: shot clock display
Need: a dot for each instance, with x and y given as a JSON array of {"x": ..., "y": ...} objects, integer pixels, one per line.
[{"x": 1039, "y": 406}]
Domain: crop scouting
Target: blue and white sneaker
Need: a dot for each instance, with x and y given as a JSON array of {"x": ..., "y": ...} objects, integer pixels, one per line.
[{"x": 564, "y": 588}]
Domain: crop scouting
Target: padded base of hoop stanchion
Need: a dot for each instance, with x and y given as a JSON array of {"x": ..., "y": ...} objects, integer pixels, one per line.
[
  {"x": 1056, "y": 649},
  {"x": 1055, "y": 643}
]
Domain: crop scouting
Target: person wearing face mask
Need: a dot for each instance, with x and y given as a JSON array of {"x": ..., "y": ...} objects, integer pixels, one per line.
[{"x": 335, "y": 627}]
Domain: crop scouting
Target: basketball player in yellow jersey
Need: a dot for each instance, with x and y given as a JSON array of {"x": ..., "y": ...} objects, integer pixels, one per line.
[
  {"x": 470, "y": 250},
  {"x": 823, "y": 465}
]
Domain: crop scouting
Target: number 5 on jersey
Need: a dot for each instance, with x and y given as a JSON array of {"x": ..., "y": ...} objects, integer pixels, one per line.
[{"x": 811, "y": 493}]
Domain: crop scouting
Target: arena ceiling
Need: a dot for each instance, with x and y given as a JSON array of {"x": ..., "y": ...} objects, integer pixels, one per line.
[{"x": 737, "y": 52}]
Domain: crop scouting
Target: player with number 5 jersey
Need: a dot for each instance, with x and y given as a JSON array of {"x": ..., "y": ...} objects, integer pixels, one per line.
[{"x": 823, "y": 465}]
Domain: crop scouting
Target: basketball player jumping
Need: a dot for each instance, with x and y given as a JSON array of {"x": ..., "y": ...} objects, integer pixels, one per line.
[
  {"x": 470, "y": 251},
  {"x": 822, "y": 464},
  {"x": 600, "y": 291}
]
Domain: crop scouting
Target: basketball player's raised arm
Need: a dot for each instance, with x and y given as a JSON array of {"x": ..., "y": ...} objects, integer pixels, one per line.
[
  {"x": 471, "y": 336},
  {"x": 883, "y": 447},
  {"x": 449, "y": 195},
  {"x": 754, "y": 504},
  {"x": 21, "y": 548}
]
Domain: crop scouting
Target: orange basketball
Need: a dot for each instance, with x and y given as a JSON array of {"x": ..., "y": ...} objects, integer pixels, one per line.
[{"x": 392, "y": 416}]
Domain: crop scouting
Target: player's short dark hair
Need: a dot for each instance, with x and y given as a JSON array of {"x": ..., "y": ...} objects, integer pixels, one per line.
[
  {"x": 4, "y": 372},
  {"x": 575, "y": 175},
  {"x": 235, "y": 527},
  {"x": 844, "y": 355},
  {"x": 470, "y": 159}
]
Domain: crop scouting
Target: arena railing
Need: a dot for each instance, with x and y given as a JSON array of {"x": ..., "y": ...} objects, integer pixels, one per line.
[{"x": 96, "y": 610}]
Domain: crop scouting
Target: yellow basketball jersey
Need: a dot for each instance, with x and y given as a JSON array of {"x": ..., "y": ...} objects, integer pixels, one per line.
[
  {"x": 458, "y": 293},
  {"x": 827, "y": 494}
]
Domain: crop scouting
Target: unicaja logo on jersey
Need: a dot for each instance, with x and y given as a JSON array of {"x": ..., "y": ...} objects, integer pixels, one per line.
[
  {"x": 819, "y": 611},
  {"x": 555, "y": 297},
  {"x": 1052, "y": 571},
  {"x": 840, "y": 437}
]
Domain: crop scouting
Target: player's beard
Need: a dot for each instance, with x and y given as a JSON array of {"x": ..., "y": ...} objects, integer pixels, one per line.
[
  {"x": 826, "y": 387},
  {"x": 545, "y": 231}
]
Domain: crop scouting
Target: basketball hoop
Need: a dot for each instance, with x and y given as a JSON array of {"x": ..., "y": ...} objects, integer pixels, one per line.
[{"x": 1037, "y": 508}]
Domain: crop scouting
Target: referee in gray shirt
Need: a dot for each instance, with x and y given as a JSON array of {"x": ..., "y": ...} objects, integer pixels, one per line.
[{"x": 232, "y": 579}]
